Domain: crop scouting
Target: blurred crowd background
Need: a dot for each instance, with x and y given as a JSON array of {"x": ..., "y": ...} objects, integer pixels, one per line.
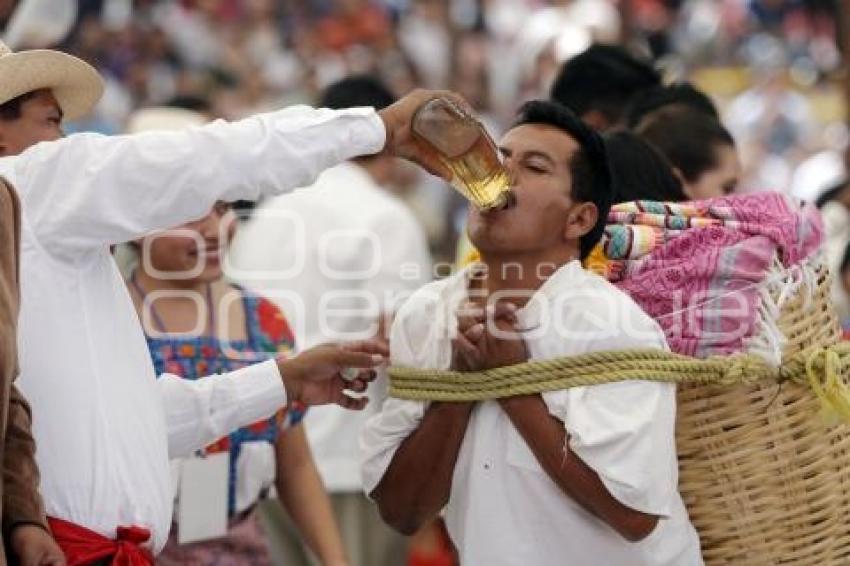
[{"x": 773, "y": 66}]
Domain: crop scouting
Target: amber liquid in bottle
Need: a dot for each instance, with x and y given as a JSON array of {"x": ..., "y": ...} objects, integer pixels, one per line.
[{"x": 464, "y": 147}]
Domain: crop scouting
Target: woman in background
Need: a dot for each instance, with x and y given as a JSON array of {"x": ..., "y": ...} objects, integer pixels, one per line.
[
  {"x": 701, "y": 151},
  {"x": 639, "y": 171},
  {"x": 198, "y": 324}
]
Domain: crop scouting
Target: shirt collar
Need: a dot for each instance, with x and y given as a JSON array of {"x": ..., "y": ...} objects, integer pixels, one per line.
[{"x": 568, "y": 275}]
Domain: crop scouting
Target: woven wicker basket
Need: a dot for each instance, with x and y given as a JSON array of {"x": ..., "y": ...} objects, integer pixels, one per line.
[{"x": 765, "y": 478}]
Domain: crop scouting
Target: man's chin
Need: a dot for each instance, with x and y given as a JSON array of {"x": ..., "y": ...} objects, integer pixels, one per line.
[
  {"x": 488, "y": 244},
  {"x": 484, "y": 230}
]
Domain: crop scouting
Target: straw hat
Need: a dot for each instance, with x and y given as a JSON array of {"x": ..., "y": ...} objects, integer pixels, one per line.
[
  {"x": 75, "y": 84},
  {"x": 159, "y": 118}
]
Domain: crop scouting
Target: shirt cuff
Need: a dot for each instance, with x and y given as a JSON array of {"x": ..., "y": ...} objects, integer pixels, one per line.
[
  {"x": 260, "y": 391},
  {"x": 369, "y": 136},
  {"x": 647, "y": 501}
]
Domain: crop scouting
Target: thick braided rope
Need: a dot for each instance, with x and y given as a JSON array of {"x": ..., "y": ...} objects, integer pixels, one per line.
[{"x": 824, "y": 369}]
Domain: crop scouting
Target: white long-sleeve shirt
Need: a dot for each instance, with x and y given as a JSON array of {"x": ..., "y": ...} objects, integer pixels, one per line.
[
  {"x": 504, "y": 509},
  {"x": 104, "y": 425}
]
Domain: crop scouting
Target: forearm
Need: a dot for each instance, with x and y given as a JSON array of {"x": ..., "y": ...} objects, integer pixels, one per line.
[
  {"x": 417, "y": 484},
  {"x": 303, "y": 495},
  {"x": 201, "y": 411},
  {"x": 548, "y": 441},
  {"x": 21, "y": 501},
  {"x": 88, "y": 190}
]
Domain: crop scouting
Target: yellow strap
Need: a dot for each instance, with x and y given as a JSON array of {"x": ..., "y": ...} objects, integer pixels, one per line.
[{"x": 826, "y": 378}]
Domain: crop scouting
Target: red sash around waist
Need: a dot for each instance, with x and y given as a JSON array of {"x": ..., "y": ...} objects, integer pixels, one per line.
[{"x": 82, "y": 546}]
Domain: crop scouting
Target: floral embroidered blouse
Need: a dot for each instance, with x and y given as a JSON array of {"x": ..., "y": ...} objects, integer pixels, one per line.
[{"x": 189, "y": 357}]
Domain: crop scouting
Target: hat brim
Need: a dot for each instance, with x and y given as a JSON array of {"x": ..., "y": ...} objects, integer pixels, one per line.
[{"x": 76, "y": 85}]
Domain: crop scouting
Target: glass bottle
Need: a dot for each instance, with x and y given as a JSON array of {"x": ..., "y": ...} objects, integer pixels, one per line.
[{"x": 467, "y": 150}]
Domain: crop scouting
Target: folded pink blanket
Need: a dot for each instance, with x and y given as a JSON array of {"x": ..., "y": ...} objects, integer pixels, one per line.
[{"x": 697, "y": 267}]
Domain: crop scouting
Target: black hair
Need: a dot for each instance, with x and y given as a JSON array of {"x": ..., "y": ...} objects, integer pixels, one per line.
[
  {"x": 11, "y": 109},
  {"x": 602, "y": 78},
  {"x": 191, "y": 102},
  {"x": 591, "y": 180},
  {"x": 357, "y": 90},
  {"x": 832, "y": 193},
  {"x": 639, "y": 171},
  {"x": 686, "y": 137},
  {"x": 652, "y": 99}
]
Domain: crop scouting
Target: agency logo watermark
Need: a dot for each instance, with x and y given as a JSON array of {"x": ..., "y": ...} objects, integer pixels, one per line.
[{"x": 340, "y": 286}]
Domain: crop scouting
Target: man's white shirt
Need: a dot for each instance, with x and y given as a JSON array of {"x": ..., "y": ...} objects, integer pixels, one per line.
[
  {"x": 333, "y": 257},
  {"x": 104, "y": 425},
  {"x": 503, "y": 508}
]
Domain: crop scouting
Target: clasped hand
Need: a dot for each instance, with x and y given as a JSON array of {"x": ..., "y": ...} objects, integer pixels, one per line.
[{"x": 487, "y": 337}]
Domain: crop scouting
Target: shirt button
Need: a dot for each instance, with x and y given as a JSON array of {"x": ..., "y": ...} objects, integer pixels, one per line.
[{"x": 486, "y": 466}]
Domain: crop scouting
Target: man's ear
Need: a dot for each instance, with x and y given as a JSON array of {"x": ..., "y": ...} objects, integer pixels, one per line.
[{"x": 580, "y": 220}]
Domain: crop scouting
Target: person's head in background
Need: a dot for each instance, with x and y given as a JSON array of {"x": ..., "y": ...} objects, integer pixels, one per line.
[
  {"x": 639, "y": 171},
  {"x": 839, "y": 193},
  {"x": 562, "y": 187},
  {"x": 678, "y": 94},
  {"x": 194, "y": 250},
  {"x": 599, "y": 83},
  {"x": 356, "y": 91},
  {"x": 195, "y": 103},
  {"x": 701, "y": 151}
]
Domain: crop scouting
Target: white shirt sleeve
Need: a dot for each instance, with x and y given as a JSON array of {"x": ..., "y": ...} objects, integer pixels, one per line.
[
  {"x": 201, "y": 411},
  {"x": 90, "y": 190},
  {"x": 625, "y": 431}
]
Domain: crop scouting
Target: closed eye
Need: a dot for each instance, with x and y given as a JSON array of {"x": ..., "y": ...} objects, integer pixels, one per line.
[{"x": 539, "y": 169}]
